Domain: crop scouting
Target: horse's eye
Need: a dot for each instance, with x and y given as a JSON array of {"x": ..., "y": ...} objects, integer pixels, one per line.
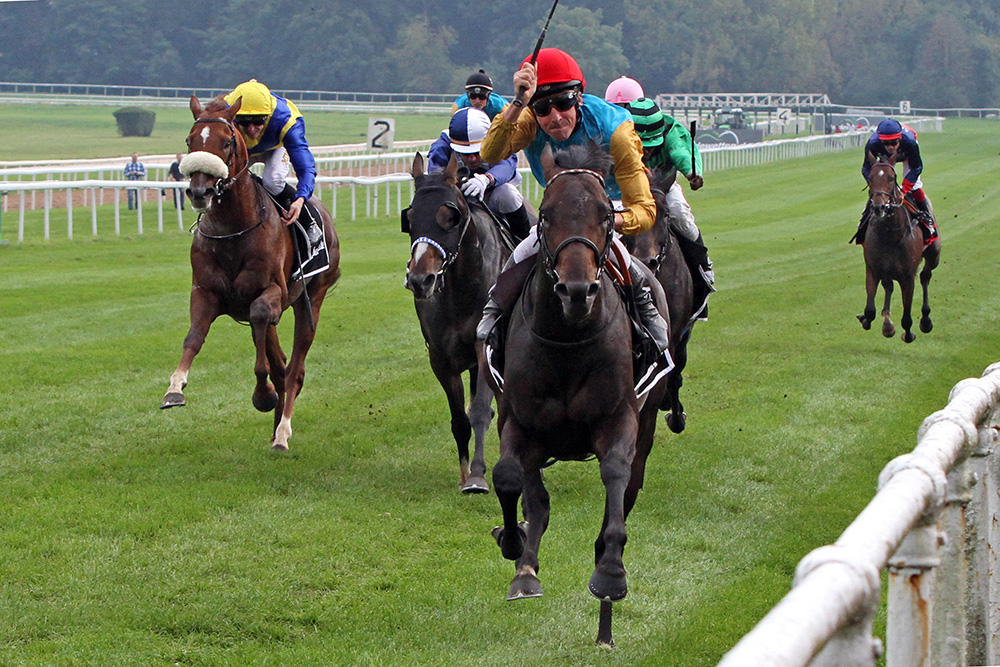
[{"x": 188, "y": 142}]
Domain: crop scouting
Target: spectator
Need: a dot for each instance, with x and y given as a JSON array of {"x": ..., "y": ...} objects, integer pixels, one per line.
[
  {"x": 175, "y": 175},
  {"x": 134, "y": 171}
]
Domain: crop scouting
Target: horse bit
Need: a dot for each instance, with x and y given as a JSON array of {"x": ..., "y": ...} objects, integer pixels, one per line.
[{"x": 550, "y": 257}]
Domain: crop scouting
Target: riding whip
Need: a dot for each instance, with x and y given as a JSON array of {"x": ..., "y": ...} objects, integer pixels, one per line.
[{"x": 519, "y": 95}]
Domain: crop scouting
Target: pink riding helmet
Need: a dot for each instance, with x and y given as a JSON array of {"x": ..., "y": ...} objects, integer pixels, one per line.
[{"x": 623, "y": 90}]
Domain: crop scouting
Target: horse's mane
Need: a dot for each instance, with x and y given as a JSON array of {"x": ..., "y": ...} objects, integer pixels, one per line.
[
  {"x": 217, "y": 104},
  {"x": 591, "y": 157}
]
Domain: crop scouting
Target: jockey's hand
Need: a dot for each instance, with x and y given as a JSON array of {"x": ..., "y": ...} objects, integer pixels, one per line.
[
  {"x": 619, "y": 222},
  {"x": 526, "y": 78},
  {"x": 292, "y": 214},
  {"x": 476, "y": 186},
  {"x": 696, "y": 181}
]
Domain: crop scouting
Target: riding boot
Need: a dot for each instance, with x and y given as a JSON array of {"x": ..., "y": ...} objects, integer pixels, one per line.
[
  {"x": 519, "y": 223},
  {"x": 705, "y": 266},
  {"x": 503, "y": 295},
  {"x": 285, "y": 197},
  {"x": 491, "y": 313},
  {"x": 646, "y": 309},
  {"x": 859, "y": 236}
]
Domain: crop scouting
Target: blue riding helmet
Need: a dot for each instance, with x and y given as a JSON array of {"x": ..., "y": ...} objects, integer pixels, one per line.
[{"x": 889, "y": 129}]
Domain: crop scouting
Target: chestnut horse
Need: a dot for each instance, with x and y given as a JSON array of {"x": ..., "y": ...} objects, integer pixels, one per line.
[
  {"x": 456, "y": 254},
  {"x": 894, "y": 246},
  {"x": 242, "y": 258},
  {"x": 659, "y": 249},
  {"x": 568, "y": 390}
]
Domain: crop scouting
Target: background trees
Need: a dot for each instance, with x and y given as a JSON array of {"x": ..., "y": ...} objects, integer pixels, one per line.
[{"x": 943, "y": 53}]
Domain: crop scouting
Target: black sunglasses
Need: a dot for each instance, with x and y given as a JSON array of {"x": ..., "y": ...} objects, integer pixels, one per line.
[
  {"x": 563, "y": 102},
  {"x": 479, "y": 96},
  {"x": 251, "y": 120}
]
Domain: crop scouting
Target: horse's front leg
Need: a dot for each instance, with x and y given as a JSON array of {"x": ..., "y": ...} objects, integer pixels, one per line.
[
  {"x": 888, "y": 330},
  {"x": 871, "y": 286},
  {"x": 480, "y": 416},
  {"x": 508, "y": 483},
  {"x": 906, "y": 294},
  {"x": 454, "y": 390},
  {"x": 204, "y": 310},
  {"x": 265, "y": 311},
  {"x": 536, "y": 514},
  {"x": 676, "y": 418},
  {"x": 608, "y": 581}
]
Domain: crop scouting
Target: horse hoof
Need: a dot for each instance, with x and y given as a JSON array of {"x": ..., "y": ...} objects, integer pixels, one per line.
[
  {"x": 909, "y": 337},
  {"x": 511, "y": 549},
  {"x": 676, "y": 422},
  {"x": 279, "y": 447},
  {"x": 524, "y": 586},
  {"x": 173, "y": 399},
  {"x": 865, "y": 324},
  {"x": 926, "y": 325},
  {"x": 267, "y": 402},
  {"x": 476, "y": 484},
  {"x": 889, "y": 331},
  {"x": 608, "y": 587}
]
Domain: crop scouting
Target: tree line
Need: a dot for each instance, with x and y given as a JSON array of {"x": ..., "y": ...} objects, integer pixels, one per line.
[{"x": 936, "y": 53}]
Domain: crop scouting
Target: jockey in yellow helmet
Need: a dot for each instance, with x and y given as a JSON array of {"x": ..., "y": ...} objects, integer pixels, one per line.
[{"x": 275, "y": 134}]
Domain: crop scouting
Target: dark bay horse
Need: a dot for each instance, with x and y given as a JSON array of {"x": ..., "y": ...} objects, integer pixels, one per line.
[
  {"x": 894, "y": 246},
  {"x": 242, "y": 258},
  {"x": 456, "y": 254},
  {"x": 568, "y": 383},
  {"x": 659, "y": 249}
]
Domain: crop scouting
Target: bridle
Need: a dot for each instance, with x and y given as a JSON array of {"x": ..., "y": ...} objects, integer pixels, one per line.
[
  {"x": 550, "y": 257},
  {"x": 449, "y": 256},
  {"x": 225, "y": 184},
  {"x": 889, "y": 195}
]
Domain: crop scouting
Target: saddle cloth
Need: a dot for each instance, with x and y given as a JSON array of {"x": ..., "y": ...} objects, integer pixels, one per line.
[{"x": 311, "y": 254}]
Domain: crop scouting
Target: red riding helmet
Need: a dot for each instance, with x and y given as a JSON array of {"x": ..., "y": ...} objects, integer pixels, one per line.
[{"x": 557, "y": 71}]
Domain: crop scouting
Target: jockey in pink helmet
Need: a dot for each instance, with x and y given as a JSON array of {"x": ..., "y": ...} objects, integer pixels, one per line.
[{"x": 623, "y": 90}]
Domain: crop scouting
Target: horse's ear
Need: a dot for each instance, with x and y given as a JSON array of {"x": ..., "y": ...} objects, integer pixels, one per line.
[
  {"x": 234, "y": 109},
  {"x": 549, "y": 167},
  {"x": 417, "y": 168},
  {"x": 195, "y": 107},
  {"x": 451, "y": 171}
]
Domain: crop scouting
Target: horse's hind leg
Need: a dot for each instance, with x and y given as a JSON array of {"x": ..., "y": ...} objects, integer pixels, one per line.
[
  {"x": 204, "y": 310},
  {"x": 888, "y": 330},
  {"x": 608, "y": 580},
  {"x": 932, "y": 255},
  {"x": 480, "y": 415},
  {"x": 295, "y": 373},
  {"x": 676, "y": 418}
]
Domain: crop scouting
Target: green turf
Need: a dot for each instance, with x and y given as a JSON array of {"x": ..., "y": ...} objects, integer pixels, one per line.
[{"x": 134, "y": 536}]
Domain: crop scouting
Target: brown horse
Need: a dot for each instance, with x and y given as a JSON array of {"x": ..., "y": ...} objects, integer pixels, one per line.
[
  {"x": 894, "y": 247},
  {"x": 568, "y": 383},
  {"x": 242, "y": 258},
  {"x": 659, "y": 249},
  {"x": 456, "y": 254}
]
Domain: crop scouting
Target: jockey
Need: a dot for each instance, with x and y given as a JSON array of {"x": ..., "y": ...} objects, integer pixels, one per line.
[
  {"x": 479, "y": 95},
  {"x": 623, "y": 90},
  {"x": 897, "y": 143},
  {"x": 495, "y": 184},
  {"x": 667, "y": 146},
  {"x": 275, "y": 133},
  {"x": 559, "y": 115}
]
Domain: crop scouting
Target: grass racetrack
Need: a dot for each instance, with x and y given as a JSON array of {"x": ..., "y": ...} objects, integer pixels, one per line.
[{"x": 135, "y": 536}]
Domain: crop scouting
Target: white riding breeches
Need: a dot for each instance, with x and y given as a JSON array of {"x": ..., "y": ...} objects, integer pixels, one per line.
[
  {"x": 505, "y": 198},
  {"x": 680, "y": 213},
  {"x": 276, "y": 168}
]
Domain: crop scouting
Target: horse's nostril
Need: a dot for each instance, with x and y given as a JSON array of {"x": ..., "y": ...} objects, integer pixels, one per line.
[
  {"x": 561, "y": 290},
  {"x": 594, "y": 287}
]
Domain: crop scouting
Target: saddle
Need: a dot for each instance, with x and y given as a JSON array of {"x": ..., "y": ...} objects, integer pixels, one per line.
[
  {"x": 925, "y": 221},
  {"x": 308, "y": 238}
]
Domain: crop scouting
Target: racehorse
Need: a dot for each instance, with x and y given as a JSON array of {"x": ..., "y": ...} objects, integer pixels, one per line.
[
  {"x": 659, "y": 249},
  {"x": 456, "y": 254},
  {"x": 567, "y": 389},
  {"x": 242, "y": 258},
  {"x": 894, "y": 246}
]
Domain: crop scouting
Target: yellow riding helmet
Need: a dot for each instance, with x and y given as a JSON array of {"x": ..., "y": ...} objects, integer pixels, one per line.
[{"x": 257, "y": 99}]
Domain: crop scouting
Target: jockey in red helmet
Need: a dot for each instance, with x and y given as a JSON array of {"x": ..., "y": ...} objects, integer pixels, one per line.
[{"x": 559, "y": 114}]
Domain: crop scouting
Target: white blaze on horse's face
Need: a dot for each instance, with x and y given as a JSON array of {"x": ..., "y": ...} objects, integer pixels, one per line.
[{"x": 205, "y": 133}]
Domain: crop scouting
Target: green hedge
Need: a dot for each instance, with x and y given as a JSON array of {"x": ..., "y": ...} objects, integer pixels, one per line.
[{"x": 135, "y": 121}]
